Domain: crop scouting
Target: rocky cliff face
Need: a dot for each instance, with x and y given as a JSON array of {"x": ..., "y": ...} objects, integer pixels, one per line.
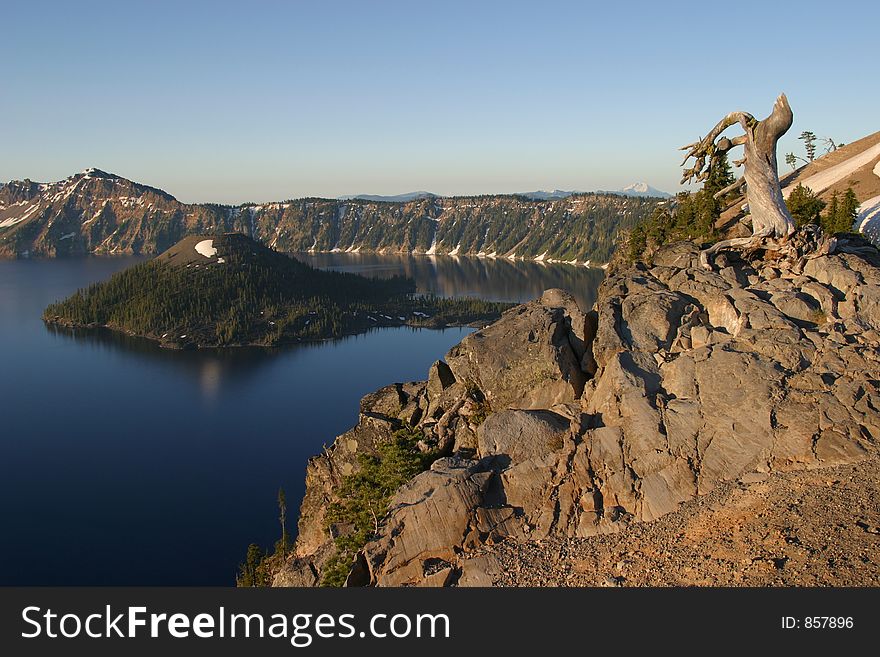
[
  {"x": 98, "y": 212},
  {"x": 560, "y": 424}
]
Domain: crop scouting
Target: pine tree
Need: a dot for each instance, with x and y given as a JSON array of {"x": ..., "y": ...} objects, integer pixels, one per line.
[
  {"x": 829, "y": 219},
  {"x": 848, "y": 212},
  {"x": 842, "y": 213},
  {"x": 809, "y": 139},
  {"x": 805, "y": 207},
  {"x": 282, "y": 508},
  {"x": 637, "y": 242},
  {"x": 720, "y": 175},
  {"x": 252, "y": 572},
  {"x": 707, "y": 209}
]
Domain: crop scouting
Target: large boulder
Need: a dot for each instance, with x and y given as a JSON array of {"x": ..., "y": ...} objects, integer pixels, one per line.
[
  {"x": 524, "y": 360},
  {"x": 521, "y": 435}
]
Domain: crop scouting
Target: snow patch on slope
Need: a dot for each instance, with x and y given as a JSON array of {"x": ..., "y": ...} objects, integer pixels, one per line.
[
  {"x": 433, "y": 249},
  {"x": 11, "y": 221},
  {"x": 206, "y": 248},
  {"x": 821, "y": 181}
]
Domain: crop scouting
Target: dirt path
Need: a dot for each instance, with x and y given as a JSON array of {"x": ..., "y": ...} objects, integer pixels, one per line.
[{"x": 815, "y": 528}]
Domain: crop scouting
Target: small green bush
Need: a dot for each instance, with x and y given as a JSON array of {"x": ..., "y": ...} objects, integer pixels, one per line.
[
  {"x": 805, "y": 207},
  {"x": 364, "y": 497}
]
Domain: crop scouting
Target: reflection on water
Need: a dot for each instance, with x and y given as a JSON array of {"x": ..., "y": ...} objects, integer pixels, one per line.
[
  {"x": 126, "y": 463},
  {"x": 496, "y": 279},
  {"x": 206, "y": 367},
  {"x": 210, "y": 368},
  {"x": 210, "y": 378}
]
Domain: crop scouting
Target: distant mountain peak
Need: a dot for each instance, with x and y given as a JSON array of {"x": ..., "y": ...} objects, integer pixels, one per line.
[
  {"x": 94, "y": 172},
  {"x": 642, "y": 189},
  {"x": 543, "y": 195},
  {"x": 398, "y": 198}
]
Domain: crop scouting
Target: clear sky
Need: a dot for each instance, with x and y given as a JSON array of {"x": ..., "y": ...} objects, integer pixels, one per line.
[{"x": 255, "y": 101}]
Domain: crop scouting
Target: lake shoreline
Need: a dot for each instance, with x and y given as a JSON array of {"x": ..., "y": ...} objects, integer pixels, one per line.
[
  {"x": 519, "y": 259},
  {"x": 73, "y": 327}
]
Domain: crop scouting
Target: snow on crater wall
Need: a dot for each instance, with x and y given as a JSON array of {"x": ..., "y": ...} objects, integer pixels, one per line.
[
  {"x": 206, "y": 248},
  {"x": 821, "y": 181}
]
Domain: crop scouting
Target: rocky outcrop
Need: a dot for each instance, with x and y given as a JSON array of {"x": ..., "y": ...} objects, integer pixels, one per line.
[
  {"x": 529, "y": 359},
  {"x": 381, "y": 414},
  {"x": 564, "y": 424},
  {"x": 431, "y": 520}
]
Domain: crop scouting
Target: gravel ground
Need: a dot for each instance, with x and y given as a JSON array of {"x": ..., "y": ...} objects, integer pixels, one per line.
[{"x": 808, "y": 528}]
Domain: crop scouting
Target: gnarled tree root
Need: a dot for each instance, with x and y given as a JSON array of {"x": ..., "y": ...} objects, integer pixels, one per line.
[
  {"x": 738, "y": 243},
  {"x": 804, "y": 244}
]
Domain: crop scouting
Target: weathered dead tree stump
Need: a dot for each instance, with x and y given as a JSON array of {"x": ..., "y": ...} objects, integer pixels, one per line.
[{"x": 772, "y": 223}]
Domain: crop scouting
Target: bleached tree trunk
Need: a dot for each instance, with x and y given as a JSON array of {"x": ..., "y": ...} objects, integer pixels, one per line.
[
  {"x": 770, "y": 216},
  {"x": 767, "y": 210}
]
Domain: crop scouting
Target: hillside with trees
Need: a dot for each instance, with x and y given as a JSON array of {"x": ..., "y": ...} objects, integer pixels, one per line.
[
  {"x": 102, "y": 213},
  {"x": 228, "y": 290},
  {"x": 835, "y": 217}
]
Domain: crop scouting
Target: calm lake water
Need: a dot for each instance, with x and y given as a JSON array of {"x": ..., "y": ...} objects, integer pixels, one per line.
[{"x": 125, "y": 464}]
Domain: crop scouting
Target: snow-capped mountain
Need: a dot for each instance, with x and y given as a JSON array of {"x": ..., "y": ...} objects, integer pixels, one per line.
[{"x": 642, "y": 189}]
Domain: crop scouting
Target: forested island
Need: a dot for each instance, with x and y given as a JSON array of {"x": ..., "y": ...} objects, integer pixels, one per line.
[{"x": 228, "y": 290}]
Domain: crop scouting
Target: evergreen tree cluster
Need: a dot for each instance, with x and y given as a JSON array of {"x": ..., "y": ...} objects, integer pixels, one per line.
[
  {"x": 363, "y": 499},
  {"x": 807, "y": 208},
  {"x": 691, "y": 217},
  {"x": 842, "y": 212},
  {"x": 254, "y": 571}
]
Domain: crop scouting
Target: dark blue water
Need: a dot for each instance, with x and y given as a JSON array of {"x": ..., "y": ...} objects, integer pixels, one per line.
[{"x": 122, "y": 463}]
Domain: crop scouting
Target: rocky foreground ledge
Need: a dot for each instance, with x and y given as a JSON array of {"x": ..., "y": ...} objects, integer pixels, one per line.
[{"x": 566, "y": 429}]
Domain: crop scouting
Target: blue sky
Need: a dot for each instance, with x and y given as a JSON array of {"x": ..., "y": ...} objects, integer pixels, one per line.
[{"x": 252, "y": 101}]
